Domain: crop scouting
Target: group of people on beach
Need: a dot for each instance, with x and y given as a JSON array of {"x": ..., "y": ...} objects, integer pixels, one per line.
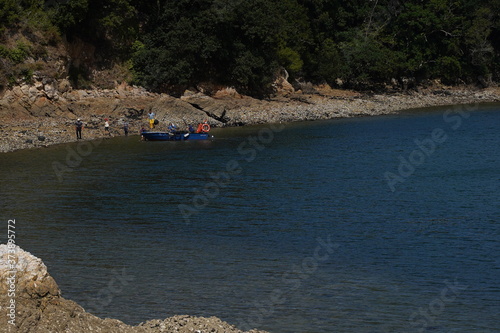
[
  {"x": 172, "y": 128},
  {"x": 79, "y": 126}
]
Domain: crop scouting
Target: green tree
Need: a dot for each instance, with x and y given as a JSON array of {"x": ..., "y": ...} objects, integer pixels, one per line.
[
  {"x": 430, "y": 35},
  {"x": 329, "y": 63},
  {"x": 200, "y": 40},
  {"x": 68, "y": 16},
  {"x": 480, "y": 50},
  {"x": 9, "y": 12},
  {"x": 111, "y": 24}
]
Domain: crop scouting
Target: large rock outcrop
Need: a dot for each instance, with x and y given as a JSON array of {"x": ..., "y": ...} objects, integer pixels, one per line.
[{"x": 39, "y": 307}]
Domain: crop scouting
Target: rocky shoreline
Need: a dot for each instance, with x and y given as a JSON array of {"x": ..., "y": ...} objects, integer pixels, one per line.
[
  {"x": 30, "y": 301},
  {"x": 44, "y": 114}
]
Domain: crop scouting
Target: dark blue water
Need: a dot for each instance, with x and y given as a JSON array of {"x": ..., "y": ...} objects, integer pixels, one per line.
[{"x": 385, "y": 224}]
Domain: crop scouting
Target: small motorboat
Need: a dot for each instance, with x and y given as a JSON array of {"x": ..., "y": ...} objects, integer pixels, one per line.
[{"x": 174, "y": 136}]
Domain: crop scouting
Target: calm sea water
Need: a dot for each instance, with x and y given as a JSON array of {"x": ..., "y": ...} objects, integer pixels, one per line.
[{"x": 385, "y": 224}]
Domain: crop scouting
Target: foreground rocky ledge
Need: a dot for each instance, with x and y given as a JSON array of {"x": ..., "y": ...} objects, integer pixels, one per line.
[
  {"x": 33, "y": 118},
  {"x": 39, "y": 307}
]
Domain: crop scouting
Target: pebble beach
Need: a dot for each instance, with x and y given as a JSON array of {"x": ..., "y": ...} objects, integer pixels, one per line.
[{"x": 30, "y": 119}]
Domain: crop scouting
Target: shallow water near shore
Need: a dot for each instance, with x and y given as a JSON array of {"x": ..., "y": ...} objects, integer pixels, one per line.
[{"x": 382, "y": 224}]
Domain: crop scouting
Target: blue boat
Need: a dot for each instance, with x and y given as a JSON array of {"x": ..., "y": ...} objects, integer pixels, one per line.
[{"x": 176, "y": 136}]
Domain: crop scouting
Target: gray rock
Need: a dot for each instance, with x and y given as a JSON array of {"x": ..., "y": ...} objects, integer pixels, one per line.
[
  {"x": 64, "y": 86},
  {"x": 25, "y": 89},
  {"x": 38, "y": 85},
  {"x": 50, "y": 91},
  {"x": 33, "y": 93}
]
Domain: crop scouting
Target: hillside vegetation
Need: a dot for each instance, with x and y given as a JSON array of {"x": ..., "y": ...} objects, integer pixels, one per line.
[{"x": 167, "y": 46}]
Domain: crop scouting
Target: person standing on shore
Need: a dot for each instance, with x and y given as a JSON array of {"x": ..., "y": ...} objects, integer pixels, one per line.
[
  {"x": 142, "y": 131},
  {"x": 78, "y": 127},
  {"x": 172, "y": 128},
  {"x": 106, "y": 127},
  {"x": 125, "y": 128},
  {"x": 151, "y": 119}
]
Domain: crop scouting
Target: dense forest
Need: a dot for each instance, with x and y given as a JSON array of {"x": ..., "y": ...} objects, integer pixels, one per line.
[{"x": 169, "y": 44}]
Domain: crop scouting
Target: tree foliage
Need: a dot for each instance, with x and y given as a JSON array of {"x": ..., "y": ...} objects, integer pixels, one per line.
[{"x": 175, "y": 44}]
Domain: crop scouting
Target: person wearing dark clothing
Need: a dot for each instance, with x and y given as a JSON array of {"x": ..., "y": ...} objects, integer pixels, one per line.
[
  {"x": 125, "y": 128},
  {"x": 106, "y": 127},
  {"x": 172, "y": 128},
  {"x": 78, "y": 126}
]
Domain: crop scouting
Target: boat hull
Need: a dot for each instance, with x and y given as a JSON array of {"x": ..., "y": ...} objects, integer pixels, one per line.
[{"x": 165, "y": 136}]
